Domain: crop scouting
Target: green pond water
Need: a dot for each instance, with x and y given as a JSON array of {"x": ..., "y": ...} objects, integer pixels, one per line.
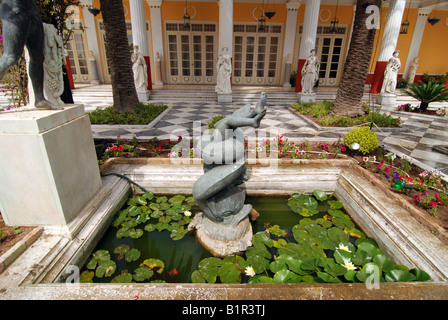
[{"x": 185, "y": 254}]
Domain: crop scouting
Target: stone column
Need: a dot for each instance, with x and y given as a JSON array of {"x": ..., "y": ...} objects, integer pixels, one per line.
[
  {"x": 92, "y": 40},
  {"x": 139, "y": 35},
  {"x": 288, "y": 46},
  {"x": 388, "y": 42},
  {"x": 416, "y": 39},
  {"x": 157, "y": 31},
  {"x": 225, "y": 37},
  {"x": 308, "y": 36}
]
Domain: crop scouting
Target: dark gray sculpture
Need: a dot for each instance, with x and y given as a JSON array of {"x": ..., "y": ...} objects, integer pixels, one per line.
[
  {"x": 22, "y": 26},
  {"x": 224, "y": 226}
]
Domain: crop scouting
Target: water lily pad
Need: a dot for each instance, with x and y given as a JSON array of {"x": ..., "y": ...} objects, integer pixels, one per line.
[
  {"x": 132, "y": 255},
  {"x": 327, "y": 277},
  {"x": 148, "y": 195},
  {"x": 384, "y": 262},
  {"x": 320, "y": 195},
  {"x": 286, "y": 276},
  {"x": 197, "y": 277},
  {"x": 275, "y": 229},
  {"x": 122, "y": 278},
  {"x": 86, "y": 276},
  {"x": 178, "y": 234},
  {"x": 121, "y": 250},
  {"x": 98, "y": 256},
  {"x": 105, "y": 268},
  {"x": 162, "y": 199},
  {"x": 229, "y": 273},
  {"x": 142, "y": 274},
  {"x": 420, "y": 275},
  {"x": 399, "y": 276},
  {"x": 155, "y": 264},
  {"x": 135, "y": 233}
]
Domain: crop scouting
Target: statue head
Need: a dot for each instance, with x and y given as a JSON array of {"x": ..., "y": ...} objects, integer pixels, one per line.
[{"x": 395, "y": 54}]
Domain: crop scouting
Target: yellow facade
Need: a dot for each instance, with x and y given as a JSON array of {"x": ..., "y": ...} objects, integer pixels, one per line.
[{"x": 432, "y": 51}]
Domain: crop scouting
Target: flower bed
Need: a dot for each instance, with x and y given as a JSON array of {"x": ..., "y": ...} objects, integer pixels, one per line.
[{"x": 441, "y": 112}]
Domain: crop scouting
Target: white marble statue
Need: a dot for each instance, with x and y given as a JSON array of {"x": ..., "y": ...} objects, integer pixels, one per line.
[
  {"x": 140, "y": 70},
  {"x": 413, "y": 70},
  {"x": 310, "y": 72},
  {"x": 54, "y": 53},
  {"x": 224, "y": 68},
  {"x": 390, "y": 74}
]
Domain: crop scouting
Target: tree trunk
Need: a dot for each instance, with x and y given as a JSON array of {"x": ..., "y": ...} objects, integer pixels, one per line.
[
  {"x": 351, "y": 89},
  {"x": 119, "y": 56}
]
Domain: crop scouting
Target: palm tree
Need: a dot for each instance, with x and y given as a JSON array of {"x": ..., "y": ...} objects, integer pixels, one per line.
[
  {"x": 351, "y": 89},
  {"x": 118, "y": 56},
  {"x": 426, "y": 93}
]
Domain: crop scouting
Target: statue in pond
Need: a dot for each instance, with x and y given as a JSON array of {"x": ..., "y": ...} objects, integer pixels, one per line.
[
  {"x": 224, "y": 227},
  {"x": 22, "y": 27}
]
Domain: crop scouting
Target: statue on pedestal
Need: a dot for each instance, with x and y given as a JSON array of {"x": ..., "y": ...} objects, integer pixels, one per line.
[
  {"x": 223, "y": 227},
  {"x": 224, "y": 67},
  {"x": 390, "y": 74},
  {"x": 310, "y": 72},
  {"x": 22, "y": 27},
  {"x": 140, "y": 70}
]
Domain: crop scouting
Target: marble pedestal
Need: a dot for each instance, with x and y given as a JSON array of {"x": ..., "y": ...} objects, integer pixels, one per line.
[
  {"x": 143, "y": 96},
  {"x": 48, "y": 168},
  {"x": 224, "y": 97},
  {"x": 386, "y": 99},
  {"x": 306, "y": 97}
]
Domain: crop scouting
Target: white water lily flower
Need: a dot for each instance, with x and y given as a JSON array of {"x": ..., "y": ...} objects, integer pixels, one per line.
[
  {"x": 250, "y": 271},
  {"x": 187, "y": 213},
  {"x": 343, "y": 247},
  {"x": 348, "y": 264}
]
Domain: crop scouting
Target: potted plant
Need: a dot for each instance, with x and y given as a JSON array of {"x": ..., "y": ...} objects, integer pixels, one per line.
[
  {"x": 401, "y": 83},
  {"x": 427, "y": 93},
  {"x": 292, "y": 79}
]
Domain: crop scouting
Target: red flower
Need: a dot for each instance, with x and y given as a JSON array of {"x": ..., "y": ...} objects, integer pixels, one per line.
[
  {"x": 114, "y": 148},
  {"x": 432, "y": 204},
  {"x": 120, "y": 148}
]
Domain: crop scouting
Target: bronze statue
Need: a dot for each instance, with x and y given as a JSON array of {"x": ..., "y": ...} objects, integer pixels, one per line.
[{"x": 22, "y": 27}]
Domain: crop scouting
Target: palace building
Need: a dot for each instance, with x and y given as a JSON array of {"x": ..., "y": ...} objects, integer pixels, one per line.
[{"x": 267, "y": 40}]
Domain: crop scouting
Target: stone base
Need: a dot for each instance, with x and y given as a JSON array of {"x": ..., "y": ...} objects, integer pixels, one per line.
[
  {"x": 386, "y": 99},
  {"x": 306, "y": 97},
  {"x": 49, "y": 167},
  {"x": 207, "y": 230},
  {"x": 224, "y": 97},
  {"x": 143, "y": 96}
]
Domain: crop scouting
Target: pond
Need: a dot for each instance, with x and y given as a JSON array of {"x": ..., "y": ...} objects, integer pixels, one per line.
[{"x": 302, "y": 238}]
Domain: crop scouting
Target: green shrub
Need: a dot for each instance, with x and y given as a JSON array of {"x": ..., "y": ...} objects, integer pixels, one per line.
[
  {"x": 211, "y": 124},
  {"x": 366, "y": 138},
  {"x": 142, "y": 114}
]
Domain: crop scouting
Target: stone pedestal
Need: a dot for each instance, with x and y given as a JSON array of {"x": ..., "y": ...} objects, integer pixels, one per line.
[
  {"x": 386, "y": 99},
  {"x": 287, "y": 77},
  {"x": 220, "y": 240},
  {"x": 158, "y": 74},
  {"x": 225, "y": 97},
  {"x": 48, "y": 167},
  {"x": 143, "y": 96},
  {"x": 306, "y": 97},
  {"x": 94, "y": 72}
]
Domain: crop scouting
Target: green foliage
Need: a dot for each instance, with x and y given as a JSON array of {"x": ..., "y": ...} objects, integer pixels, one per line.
[
  {"x": 366, "y": 138},
  {"x": 427, "y": 92},
  {"x": 321, "y": 111},
  {"x": 159, "y": 213},
  {"x": 211, "y": 124},
  {"x": 322, "y": 251},
  {"x": 142, "y": 114}
]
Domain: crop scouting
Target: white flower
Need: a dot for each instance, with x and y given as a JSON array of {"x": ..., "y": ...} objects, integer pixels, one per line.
[
  {"x": 343, "y": 247},
  {"x": 187, "y": 213},
  {"x": 348, "y": 264},
  {"x": 250, "y": 271}
]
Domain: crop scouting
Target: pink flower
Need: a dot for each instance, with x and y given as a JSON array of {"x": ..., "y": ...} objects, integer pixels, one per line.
[
  {"x": 344, "y": 148},
  {"x": 432, "y": 204},
  {"x": 416, "y": 197}
]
